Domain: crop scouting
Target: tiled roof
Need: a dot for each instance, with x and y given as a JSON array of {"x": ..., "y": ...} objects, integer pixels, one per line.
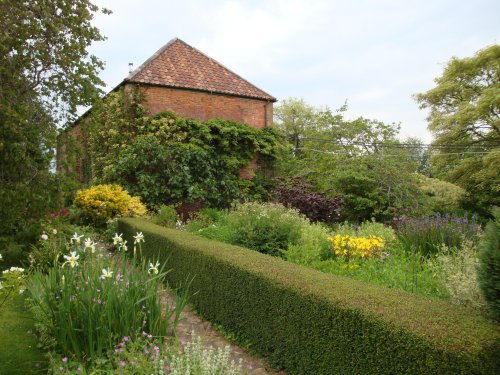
[{"x": 177, "y": 64}]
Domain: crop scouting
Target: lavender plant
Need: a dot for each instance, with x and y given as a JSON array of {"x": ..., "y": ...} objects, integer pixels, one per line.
[{"x": 427, "y": 234}]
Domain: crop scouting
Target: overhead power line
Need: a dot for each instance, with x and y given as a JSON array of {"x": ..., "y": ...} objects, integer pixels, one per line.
[
  {"x": 346, "y": 152},
  {"x": 403, "y": 145}
]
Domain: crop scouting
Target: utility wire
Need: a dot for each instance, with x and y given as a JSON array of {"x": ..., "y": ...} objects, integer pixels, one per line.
[
  {"x": 346, "y": 152},
  {"x": 400, "y": 145}
]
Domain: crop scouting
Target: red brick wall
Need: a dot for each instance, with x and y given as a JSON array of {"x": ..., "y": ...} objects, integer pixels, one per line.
[{"x": 205, "y": 106}]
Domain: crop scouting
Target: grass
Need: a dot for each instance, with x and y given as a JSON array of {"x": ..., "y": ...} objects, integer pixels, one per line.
[{"x": 18, "y": 351}]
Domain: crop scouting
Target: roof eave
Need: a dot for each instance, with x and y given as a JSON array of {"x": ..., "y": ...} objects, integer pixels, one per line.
[{"x": 270, "y": 98}]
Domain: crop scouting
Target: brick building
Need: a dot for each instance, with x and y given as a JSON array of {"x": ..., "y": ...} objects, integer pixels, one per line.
[{"x": 180, "y": 78}]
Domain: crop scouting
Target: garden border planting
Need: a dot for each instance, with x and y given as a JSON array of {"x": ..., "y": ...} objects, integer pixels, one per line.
[{"x": 308, "y": 322}]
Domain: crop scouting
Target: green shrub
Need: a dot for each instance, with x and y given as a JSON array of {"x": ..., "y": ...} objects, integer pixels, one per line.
[
  {"x": 312, "y": 245},
  {"x": 13, "y": 254},
  {"x": 175, "y": 173},
  {"x": 266, "y": 227},
  {"x": 204, "y": 218},
  {"x": 47, "y": 253},
  {"x": 441, "y": 196},
  {"x": 489, "y": 266},
  {"x": 308, "y": 322},
  {"x": 166, "y": 216}
]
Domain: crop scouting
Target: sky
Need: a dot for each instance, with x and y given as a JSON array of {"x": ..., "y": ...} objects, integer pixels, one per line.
[{"x": 373, "y": 54}]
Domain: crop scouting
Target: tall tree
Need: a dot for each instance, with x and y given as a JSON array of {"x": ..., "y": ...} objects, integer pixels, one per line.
[
  {"x": 295, "y": 118},
  {"x": 464, "y": 117},
  {"x": 359, "y": 161},
  {"x": 45, "y": 73}
]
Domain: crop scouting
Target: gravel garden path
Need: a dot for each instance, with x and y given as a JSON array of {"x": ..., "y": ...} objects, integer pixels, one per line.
[{"x": 190, "y": 322}]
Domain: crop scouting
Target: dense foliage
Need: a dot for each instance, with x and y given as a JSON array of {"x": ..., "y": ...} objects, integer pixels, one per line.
[
  {"x": 433, "y": 256},
  {"x": 286, "y": 313},
  {"x": 441, "y": 196},
  {"x": 168, "y": 159},
  {"x": 358, "y": 161},
  {"x": 45, "y": 73},
  {"x": 315, "y": 206},
  {"x": 104, "y": 202},
  {"x": 464, "y": 110},
  {"x": 489, "y": 266},
  {"x": 268, "y": 228}
]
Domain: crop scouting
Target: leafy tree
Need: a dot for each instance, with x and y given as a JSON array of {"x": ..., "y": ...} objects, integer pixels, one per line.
[
  {"x": 294, "y": 117},
  {"x": 441, "y": 196},
  {"x": 43, "y": 49},
  {"x": 45, "y": 73},
  {"x": 420, "y": 154},
  {"x": 360, "y": 161},
  {"x": 465, "y": 120}
]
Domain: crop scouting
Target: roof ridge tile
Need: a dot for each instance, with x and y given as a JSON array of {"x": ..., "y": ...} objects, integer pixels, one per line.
[{"x": 178, "y": 64}]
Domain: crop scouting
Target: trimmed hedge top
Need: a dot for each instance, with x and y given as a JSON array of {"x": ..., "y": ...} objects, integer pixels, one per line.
[{"x": 440, "y": 325}]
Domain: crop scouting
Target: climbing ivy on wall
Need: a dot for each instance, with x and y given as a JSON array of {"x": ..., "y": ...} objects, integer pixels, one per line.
[{"x": 168, "y": 159}]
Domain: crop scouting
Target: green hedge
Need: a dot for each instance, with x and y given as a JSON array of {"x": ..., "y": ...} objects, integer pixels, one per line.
[{"x": 308, "y": 322}]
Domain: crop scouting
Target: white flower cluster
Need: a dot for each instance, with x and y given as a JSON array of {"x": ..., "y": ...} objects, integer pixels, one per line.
[
  {"x": 197, "y": 360},
  {"x": 14, "y": 269}
]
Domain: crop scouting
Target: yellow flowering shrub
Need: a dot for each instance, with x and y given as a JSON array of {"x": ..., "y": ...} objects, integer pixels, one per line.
[
  {"x": 349, "y": 247},
  {"x": 104, "y": 202},
  {"x": 136, "y": 208}
]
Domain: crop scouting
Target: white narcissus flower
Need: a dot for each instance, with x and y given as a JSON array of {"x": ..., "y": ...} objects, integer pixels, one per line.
[
  {"x": 44, "y": 237},
  {"x": 138, "y": 238},
  {"x": 154, "y": 269},
  {"x": 106, "y": 273},
  {"x": 123, "y": 246},
  {"x": 117, "y": 238},
  {"x": 76, "y": 238},
  {"x": 54, "y": 231},
  {"x": 89, "y": 244},
  {"x": 72, "y": 259}
]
